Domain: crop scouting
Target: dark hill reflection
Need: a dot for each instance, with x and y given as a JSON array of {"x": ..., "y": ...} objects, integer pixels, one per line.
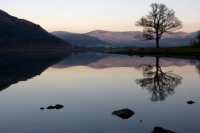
[
  {"x": 80, "y": 59},
  {"x": 159, "y": 83},
  {"x": 15, "y": 68}
]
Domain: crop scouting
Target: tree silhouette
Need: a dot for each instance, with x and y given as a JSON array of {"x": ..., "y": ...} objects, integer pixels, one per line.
[
  {"x": 197, "y": 39},
  {"x": 160, "y": 20},
  {"x": 196, "y": 63},
  {"x": 160, "y": 84}
]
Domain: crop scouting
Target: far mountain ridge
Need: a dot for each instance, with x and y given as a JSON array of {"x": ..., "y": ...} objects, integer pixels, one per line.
[
  {"x": 80, "y": 40},
  {"x": 114, "y": 36},
  {"x": 127, "y": 39},
  {"x": 135, "y": 38}
]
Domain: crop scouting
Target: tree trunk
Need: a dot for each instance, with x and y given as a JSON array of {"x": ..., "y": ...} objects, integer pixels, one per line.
[
  {"x": 157, "y": 42},
  {"x": 157, "y": 72}
]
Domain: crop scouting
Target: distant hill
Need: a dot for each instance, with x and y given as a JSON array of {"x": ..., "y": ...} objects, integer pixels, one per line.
[
  {"x": 20, "y": 33},
  {"x": 116, "y": 37},
  {"x": 193, "y": 34},
  {"x": 135, "y": 38},
  {"x": 124, "y": 39},
  {"x": 80, "y": 40}
]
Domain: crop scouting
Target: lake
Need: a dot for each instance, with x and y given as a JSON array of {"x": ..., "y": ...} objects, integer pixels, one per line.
[{"x": 101, "y": 93}]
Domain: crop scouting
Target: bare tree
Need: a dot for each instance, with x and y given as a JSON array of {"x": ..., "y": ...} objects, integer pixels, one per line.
[{"x": 160, "y": 20}]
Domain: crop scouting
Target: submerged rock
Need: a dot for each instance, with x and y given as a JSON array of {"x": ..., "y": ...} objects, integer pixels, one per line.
[
  {"x": 124, "y": 113},
  {"x": 161, "y": 130},
  {"x": 190, "y": 102}
]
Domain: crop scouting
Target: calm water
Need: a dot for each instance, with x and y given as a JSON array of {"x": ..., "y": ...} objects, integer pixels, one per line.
[{"x": 91, "y": 87}]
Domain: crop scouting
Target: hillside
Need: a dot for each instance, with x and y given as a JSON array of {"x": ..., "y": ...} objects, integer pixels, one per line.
[
  {"x": 80, "y": 40},
  {"x": 20, "y": 33}
]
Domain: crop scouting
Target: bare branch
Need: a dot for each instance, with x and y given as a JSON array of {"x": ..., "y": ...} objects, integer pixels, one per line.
[{"x": 160, "y": 20}]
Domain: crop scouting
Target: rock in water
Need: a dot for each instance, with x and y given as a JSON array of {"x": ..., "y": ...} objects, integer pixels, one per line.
[
  {"x": 124, "y": 113},
  {"x": 50, "y": 107},
  {"x": 190, "y": 102},
  {"x": 42, "y": 108},
  {"x": 59, "y": 106},
  {"x": 161, "y": 130}
]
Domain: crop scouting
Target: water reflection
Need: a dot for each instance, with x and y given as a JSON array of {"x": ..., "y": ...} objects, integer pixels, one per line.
[
  {"x": 94, "y": 86},
  {"x": 197, "y": 64},
  {"x": 15, "y": 68},
  {"x": 159, "y": 83},
  {"x": 103, "y": 61}
]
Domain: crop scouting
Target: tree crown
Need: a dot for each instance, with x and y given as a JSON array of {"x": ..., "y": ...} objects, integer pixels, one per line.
[{"x": 160, "y": 20}]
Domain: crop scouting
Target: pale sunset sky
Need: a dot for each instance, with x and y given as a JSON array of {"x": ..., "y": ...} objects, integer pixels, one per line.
[{"x": 87, "y": 15}]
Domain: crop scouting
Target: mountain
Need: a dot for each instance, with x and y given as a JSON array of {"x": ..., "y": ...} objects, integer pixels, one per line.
[
  {"x": 20, "y": 33},
  {"x": 128, "y": 36},
  {"x": 135, "y": 38},
  {"x": 80, "y": 40},
  {"x": 116, "y": 37},
  {"x": 193, "y": 34}
]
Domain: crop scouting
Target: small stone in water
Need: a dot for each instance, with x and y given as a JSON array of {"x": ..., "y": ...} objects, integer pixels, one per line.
[
  {"x": 190, "y": 102},
  {"x": 57, "y": 106},
  {"x": 50, "y": 107},
  {"x": 41, "y": 108},
  {"x": 124, "y": 113}
]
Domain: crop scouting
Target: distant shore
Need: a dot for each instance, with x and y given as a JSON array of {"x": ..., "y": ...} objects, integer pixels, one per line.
[
  {"x": 192, "y": 52},
  {"x": 175, "y": 51}
]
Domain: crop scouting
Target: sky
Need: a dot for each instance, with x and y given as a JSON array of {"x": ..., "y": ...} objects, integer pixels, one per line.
[{"x": 86, "y": 15}]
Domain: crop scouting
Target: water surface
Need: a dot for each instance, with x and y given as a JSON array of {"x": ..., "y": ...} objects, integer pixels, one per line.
[{"x": 92, "y": 86}]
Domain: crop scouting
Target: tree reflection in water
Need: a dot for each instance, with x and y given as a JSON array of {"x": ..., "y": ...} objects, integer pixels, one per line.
[
  {"x": 160, "y": 84},
  {"x": 197, "y": 64}
]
